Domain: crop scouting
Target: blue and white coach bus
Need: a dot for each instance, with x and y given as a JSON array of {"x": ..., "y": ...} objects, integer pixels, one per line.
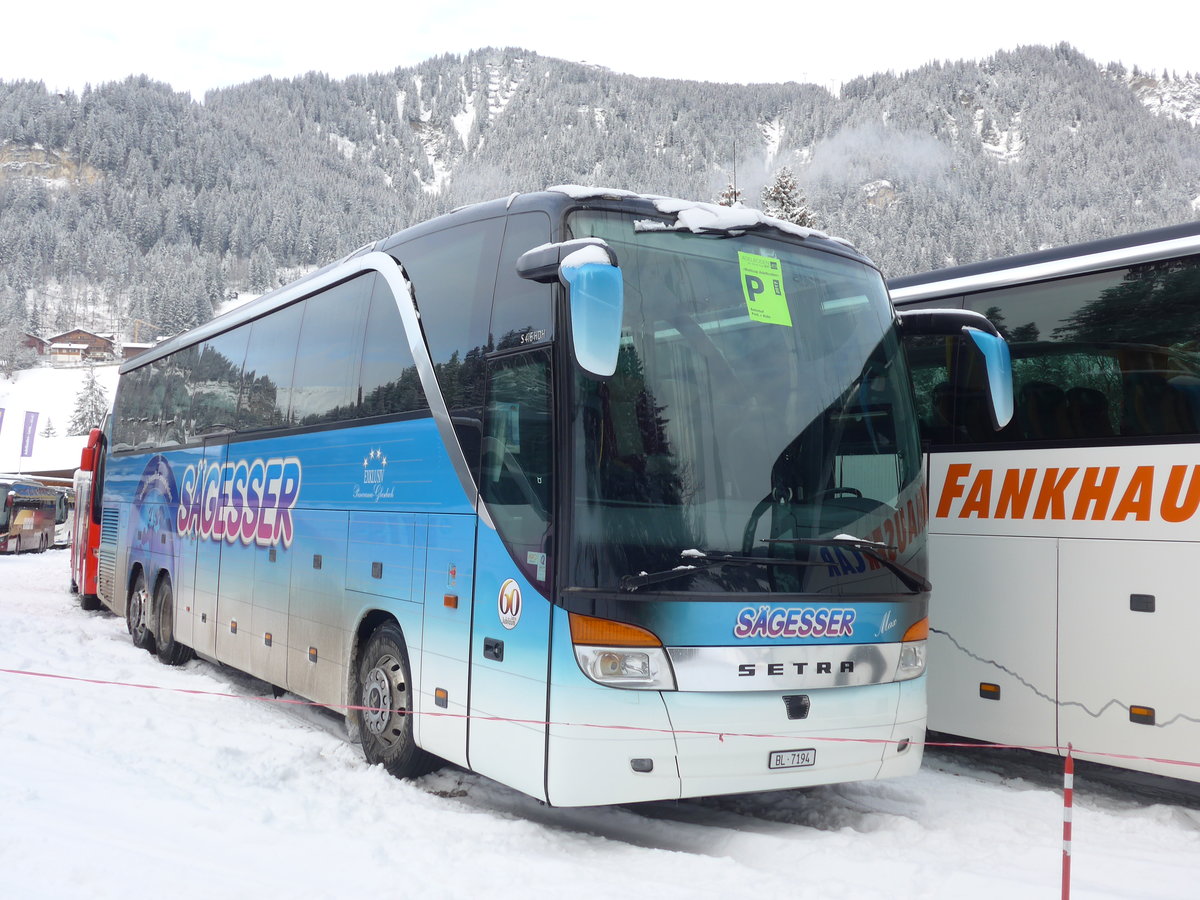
[{"x": 606, "y": 497}]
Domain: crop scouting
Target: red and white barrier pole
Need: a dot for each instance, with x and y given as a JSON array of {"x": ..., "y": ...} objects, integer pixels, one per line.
[{"x": 1068, "y": 800}]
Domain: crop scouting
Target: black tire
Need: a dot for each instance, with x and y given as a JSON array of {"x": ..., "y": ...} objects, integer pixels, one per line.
[
  {"x": 74, "y": 587},
  {"x": 385, "y": 724},
  {"x": 136, "y": 611},
  {"x": 89, "y": 602},
  {"x": 170, "y": 651}
]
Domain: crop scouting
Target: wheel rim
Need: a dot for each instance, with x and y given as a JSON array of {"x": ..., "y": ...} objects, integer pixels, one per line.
[
  {"x": 137, "y": 612},
  {"x": 384, "y": 695}
]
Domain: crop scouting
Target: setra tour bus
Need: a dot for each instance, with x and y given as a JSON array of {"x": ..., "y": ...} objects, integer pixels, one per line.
[
  {"x": 606, "y": 497},
  {"x": 1061, "y": 545}
]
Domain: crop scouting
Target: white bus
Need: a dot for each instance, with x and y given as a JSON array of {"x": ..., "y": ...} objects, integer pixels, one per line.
[{"x": 1064, "y": 547}]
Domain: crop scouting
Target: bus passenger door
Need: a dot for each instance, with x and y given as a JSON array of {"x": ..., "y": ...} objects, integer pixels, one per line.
[{"x": 513, "y": 571}]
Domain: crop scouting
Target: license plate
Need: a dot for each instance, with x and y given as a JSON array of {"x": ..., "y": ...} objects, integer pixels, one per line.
[{"x": 791, "y": 759}]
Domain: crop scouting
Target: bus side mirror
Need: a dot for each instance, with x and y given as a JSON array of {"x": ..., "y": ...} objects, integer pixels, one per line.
[
  {"x": 997, "y": 371},
  {"x": 87, "y": 459},
  {"x": 979, "y": 335},
  {"x": 596, "y": 289}
]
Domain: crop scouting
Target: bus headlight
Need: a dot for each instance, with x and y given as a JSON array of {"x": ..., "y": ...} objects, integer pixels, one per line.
[
  {"x": 912, "y": 660},
  {"x": 618, "y": 654},
  {"x": 644, "y": 668},
  {"x": 912, "y": 651}
]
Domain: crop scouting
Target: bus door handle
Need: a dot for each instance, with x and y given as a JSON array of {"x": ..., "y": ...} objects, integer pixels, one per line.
[{"x": 493, "y": 648}]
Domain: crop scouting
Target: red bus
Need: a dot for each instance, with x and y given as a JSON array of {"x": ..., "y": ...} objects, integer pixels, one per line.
[{"x": 85, "y": 534}]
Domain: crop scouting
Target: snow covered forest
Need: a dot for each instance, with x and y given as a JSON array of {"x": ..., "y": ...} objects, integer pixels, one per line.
[{"x": 133, "y": 209}]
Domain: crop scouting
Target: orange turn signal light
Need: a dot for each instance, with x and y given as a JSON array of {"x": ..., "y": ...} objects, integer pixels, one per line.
[
  {"x": 918, "y": 631},
  {"x": 606, "y": 632}
]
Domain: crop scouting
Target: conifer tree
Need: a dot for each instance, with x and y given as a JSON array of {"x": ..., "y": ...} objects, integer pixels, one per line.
[
  {"x": 731, "y": 196},
  {"x": 783, "y": 199},
  {"x": 90, "y": 406}
]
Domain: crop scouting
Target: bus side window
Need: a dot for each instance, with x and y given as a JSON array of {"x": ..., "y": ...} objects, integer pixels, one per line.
[
  {"x": 267, "y": 374},
  {"x": 324, "y": 386},
  {"x": 388, "y": 382},
  {"x": 216, "y": 380},
  {"x": 140, "y": 409},
  {"x": 1102, "y": 355},
  {"x": 522, "y": 312},
  {"x": 453, "y": 274},
  {"x": 177, "y": 399}
]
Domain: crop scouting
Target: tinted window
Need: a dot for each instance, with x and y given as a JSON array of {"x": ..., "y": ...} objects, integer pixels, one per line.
[
  {"x": 325, "y": 384},
  {"x": 522, "y": 312},
  {"x": 1100, "y": 356},
  {"x": 388, "y": 382},
  {"x": 134, "y": 414},
  {"x": 267, "y": 374},
  {"x": 177, "y": 396},
  {"x": 216, "y": 379},
  {"x": 453, "y": 273}
]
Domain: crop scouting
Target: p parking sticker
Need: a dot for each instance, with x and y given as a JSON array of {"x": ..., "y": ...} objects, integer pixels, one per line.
[
  {"x": 508, "y": 604},
  {"x": 762, "y": 285}
]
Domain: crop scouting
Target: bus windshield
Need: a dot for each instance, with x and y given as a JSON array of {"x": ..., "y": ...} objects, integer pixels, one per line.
[{"x": 760, "y": 410}]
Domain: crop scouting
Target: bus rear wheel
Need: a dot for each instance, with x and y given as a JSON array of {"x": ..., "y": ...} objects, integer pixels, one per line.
[
  {"x": 136, "y": 611},
  {"x": 385, "y": 723},
  {"x": 169, "y": 650}
]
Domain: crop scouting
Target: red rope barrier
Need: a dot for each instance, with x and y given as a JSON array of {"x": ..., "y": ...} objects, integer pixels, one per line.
[{"x": 719, "y": 735}]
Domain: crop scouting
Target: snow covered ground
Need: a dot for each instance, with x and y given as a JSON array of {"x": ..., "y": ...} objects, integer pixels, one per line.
[{"x": 110, "y": 789}]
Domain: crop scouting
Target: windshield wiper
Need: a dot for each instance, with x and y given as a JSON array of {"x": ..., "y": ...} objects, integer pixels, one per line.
[
  {"x": 914, "y": 581},
  {"x": 704, "y": 561}
]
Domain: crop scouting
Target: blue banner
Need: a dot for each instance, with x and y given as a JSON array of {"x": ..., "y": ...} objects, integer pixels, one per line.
[{"x": 29, "y": 434}]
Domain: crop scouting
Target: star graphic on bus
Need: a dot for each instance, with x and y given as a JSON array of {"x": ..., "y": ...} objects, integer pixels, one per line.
[
  {"x": 374, "y": 466},
  {"x": 375, "y": 456}
]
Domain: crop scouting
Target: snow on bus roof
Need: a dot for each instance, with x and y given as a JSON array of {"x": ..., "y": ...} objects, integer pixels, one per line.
[{"x": 694, "y": 215}]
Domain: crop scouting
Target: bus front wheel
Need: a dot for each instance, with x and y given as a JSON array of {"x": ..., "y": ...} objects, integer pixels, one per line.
[
  {"x": 385, "y": 722},
  {"x": 136, "y": 611},
  {"x": 169, "y": 650}
]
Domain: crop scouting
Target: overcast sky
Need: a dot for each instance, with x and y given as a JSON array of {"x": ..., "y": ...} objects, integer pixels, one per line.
[{"x": 214, "y": 43}]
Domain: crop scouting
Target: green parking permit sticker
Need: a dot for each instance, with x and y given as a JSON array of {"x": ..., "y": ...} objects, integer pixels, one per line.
[{"x": 762, "y": 283}]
